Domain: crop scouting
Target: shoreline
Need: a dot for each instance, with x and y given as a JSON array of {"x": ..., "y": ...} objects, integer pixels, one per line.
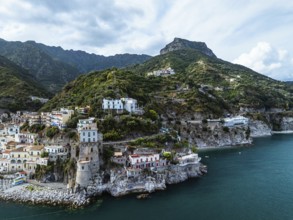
[{"x": 45, "y": 194}]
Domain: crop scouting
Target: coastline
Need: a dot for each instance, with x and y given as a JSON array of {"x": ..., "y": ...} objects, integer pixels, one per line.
[{"x": 45, "y": 194}]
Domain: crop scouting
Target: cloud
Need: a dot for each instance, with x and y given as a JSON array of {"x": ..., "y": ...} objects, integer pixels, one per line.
[
  {"x": 145, "y": 26},
  {"x": 265, "y": 59}
]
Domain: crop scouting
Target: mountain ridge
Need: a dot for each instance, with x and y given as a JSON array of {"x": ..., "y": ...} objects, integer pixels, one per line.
[
  {"x": 53, "y": 66},
  {"x": 202, "y": 85},
  {"x": 16, "y": 87}
]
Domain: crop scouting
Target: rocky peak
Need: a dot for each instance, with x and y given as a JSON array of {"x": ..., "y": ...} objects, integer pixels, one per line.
[{"x": 179, "y": 44}]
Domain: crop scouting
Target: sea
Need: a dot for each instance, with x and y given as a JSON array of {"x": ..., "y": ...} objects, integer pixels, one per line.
[{"x": 242, "y": 183}]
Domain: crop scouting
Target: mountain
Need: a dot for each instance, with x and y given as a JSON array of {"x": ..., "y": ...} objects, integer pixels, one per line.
[
  {"x": 86, "y": 62},
  {"x": 16, "y": 87},
  {"x": 180, "y": 44},
  {"x": 202, "y": 85},
  {"x": 53, "y": 67},
  {"x": 50, "y": 73}
]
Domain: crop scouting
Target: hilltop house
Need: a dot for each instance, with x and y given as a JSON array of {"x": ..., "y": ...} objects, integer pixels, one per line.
[
  {"x": 128, "y": 104},
  {"x": 162, "y": 72}
]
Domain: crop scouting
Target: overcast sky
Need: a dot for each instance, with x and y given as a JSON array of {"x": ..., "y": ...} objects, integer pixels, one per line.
[{"x": 253, "y": 33}]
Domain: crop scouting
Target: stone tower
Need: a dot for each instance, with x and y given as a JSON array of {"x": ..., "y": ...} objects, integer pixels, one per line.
[{"x": 90, "y": 140}]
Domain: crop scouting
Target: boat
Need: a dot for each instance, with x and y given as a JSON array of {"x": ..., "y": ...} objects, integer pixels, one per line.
[
  {"x": 143, "y": 196},
  {"x": 18, "y": 181}
]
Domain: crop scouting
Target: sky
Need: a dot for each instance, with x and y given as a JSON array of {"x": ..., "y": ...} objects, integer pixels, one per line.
[{"x": 256, "y": 34}]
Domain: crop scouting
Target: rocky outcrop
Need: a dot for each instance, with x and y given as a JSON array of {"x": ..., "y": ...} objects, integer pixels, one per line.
[
  {"x": 287, "y": 124},
  {"x": 120, "y": 184},
  {"x": 215, "y": 134},
  {"x": 179, "y": 44},
  {"x": 259, "y": 128},
  {"x": 45, "y": 195}
]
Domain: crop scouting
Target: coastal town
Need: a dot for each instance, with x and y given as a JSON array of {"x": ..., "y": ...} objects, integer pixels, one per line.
[{"x": 79, "y": 164}]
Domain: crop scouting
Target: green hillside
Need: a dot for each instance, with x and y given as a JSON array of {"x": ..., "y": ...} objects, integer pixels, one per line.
[
  {"x": 16, "y": 85},
  {"x": 202, "y": 84},
  {"x": 54, "y": 67}
]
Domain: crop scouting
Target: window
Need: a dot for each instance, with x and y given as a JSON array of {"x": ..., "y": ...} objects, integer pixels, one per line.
[
  {"x": 92, "y": 150},
  {"x": 94, "y": 140},
  {"x": 82, "y": 167}
]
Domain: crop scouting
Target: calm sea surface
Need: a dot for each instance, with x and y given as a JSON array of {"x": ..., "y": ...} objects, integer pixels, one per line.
[{"x": 243, "y": 183}]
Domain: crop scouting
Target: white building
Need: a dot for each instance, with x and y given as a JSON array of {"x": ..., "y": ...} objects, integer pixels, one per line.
[
  {"x": 119, "y": 158},
  {"x": 56, "y": 152},
  {"x": 146, "y": 161},
  {"x": 112, "y": 104},
  {"x": 239, "y": 120},
  {"x": 88, "y": 131},
  {"x": 128, "y": 104},
  {"x": 60, "y": 118},
  {"x": 28, "y": 138},
  {"x": 12, "y": 129},
  {"x": 190, "y": 159},
  {"x": 162, "y": 72},
  {"x": 42, "y": 100},
  {"x": 4, "y": 164}
]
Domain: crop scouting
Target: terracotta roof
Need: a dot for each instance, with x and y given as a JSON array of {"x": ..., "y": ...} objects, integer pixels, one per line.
[
  {"x": 6, "y": 152},
  {"x": 36, "y": 147},
  {"x": 20, "y": 149}
]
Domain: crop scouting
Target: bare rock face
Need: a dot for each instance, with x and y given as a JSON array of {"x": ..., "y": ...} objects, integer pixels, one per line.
[
  {"x": 179, "y": 44},
  {"x": 259, "y": 128}
]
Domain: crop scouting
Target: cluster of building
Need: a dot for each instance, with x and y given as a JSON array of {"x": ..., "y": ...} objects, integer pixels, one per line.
[
  {"x": 162, "y": 72},
  {"x": 54, "y": 118},
  {"x": 146, "y": 159},
  {"x": 20, "y": 152},
  {"x": 25, "y": 157},
  {"x": 119, "y": 105}
]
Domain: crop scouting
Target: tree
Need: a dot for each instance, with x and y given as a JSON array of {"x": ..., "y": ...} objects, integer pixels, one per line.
[{"x": 52, "y": 131}]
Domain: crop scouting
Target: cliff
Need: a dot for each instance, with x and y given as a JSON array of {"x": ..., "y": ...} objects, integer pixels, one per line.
[
  {"x": 214, "y": 134},
  {"x": 179, "y": 44}
]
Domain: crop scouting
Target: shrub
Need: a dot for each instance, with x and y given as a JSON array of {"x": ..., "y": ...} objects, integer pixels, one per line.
[
  {"x": 226, "y": 129},
  {"x": 52, "y": 131}
]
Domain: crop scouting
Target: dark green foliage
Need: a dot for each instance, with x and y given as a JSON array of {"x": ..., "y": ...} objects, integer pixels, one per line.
[
  {"x": 72, "y": 122},
  {"x": 202, "y": 84},
  {"x": 53, "y": 67},
  {"x": 52, "y": 131},
  {"x": 226, "y": 129},
  {"x": 116, "y": 129},
  {"x": 107, "y": 154},
  {"x": 151, "y": 114},
  {"x": 112, "y": 136},
  {"x": 36, "y": 128},
  {"x": 44, "y": 154},
  {"x": 16, "y": 87}
]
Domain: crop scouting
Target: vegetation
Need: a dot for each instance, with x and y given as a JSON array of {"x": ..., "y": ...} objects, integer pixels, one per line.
[
  {"x": 52, "y": 131},
  {"x": 202, "y": 84},
  {"x": 16, "y": 87}
]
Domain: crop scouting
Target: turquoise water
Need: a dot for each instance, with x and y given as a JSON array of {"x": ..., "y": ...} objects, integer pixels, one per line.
[{"x": 243, "y": 183}]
